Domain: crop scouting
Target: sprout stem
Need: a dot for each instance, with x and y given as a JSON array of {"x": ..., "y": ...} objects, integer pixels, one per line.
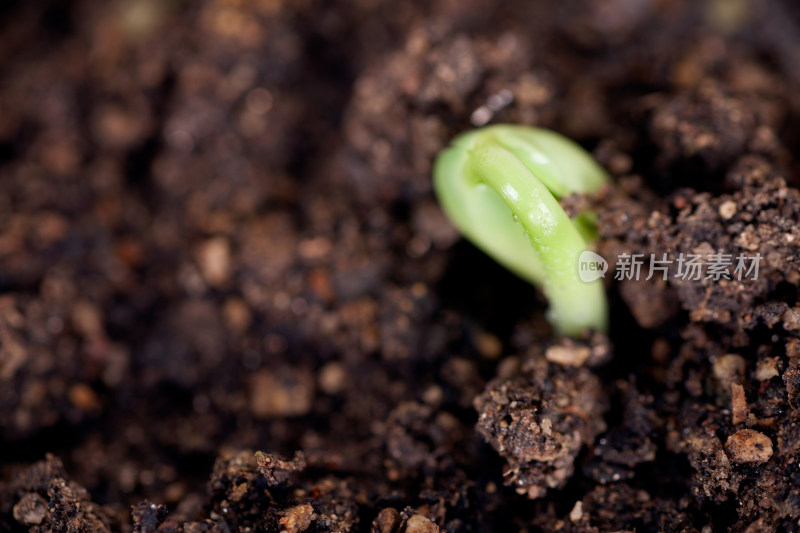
[{"x": 493, "y": 178}]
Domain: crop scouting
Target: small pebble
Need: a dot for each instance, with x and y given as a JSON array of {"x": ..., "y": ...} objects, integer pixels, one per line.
[
  {"x": 297, "y": 518},
  {"x": 727, "y": 209},
  {"x": 577, "y": 512},
  {"x": 748, "y": 446}
]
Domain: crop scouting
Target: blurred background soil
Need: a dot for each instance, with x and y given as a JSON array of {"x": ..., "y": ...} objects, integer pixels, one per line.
[{"x": 230, "y": 302}]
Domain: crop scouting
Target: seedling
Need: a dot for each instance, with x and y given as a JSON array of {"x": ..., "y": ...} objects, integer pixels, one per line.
[{"x": 500, "y": 185}]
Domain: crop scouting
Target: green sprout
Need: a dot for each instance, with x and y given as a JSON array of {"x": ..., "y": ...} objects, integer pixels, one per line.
[{"x": 493, "y": 180}]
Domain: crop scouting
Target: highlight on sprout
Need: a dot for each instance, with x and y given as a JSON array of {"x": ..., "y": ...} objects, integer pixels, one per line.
[{"x": 500, "y": 185}]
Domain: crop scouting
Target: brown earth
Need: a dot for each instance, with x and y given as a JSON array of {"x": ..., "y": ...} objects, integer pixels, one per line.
[{"x": 218, "y": 236}]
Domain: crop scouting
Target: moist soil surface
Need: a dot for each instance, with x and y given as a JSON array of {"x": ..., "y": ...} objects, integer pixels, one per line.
[{"x": 230, "y": 302}]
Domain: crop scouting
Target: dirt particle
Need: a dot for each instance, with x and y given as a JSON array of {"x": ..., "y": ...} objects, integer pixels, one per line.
[
  {"x": 791, "y": 319},
  {"x": 281, "y": 392},
  {"x": 275, "y": 469},
  {"x": 387, "y": 521},
  {"x": 259, "y": 101},
  {"x": 705, "y": 123},
  {"x": 433, "y": 395},
  {"x": 214, "y": 257},
  {"x": 738, "y": 404},
  {"x": 649, "y": 303},
  {"x": 539, "y": 421},
  {"x": 577, "y": 512},
  {"x": 297, "y": 518},
  {"x": 31, "y": 509},
  {"x": 87, "y": 319},
  {"x": 767, "y": 369},
  {"x": 147, "y": 516},
  {"x": 237, "y": 315},
  {"x": 332, "y": 378},
  {"x": 729, "y": 369},
  {"x": 420, "y": 524},
  {"x": 568, "y": 355},
  {"x": 319, "y": 281},
  {"x": 83, "y": 397},
  {"x": 488, "y": 345},
  {"x": 748, "y": 446},
  {"x": 116, "y": 127},
  {"x": 727, "y": 209},
  {"x": 314, "y": 248},
  {"x": 793, "y": 348}
]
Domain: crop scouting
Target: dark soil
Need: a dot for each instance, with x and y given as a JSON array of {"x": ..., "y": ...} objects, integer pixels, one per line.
[{"x": 230, "y": 302}]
